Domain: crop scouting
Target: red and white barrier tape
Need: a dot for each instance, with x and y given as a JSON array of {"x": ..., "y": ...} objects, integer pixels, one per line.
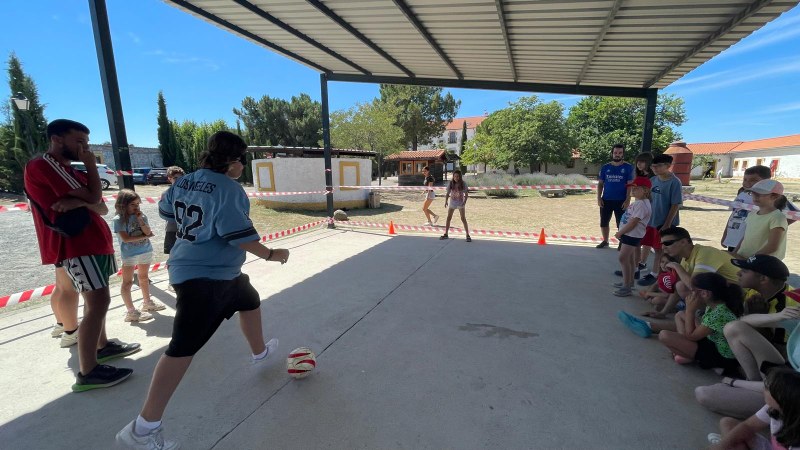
[
  {"x": 20, "y": 297},
  {"x": 476, "y": 188},
  {"x": 284, "y": 233},
  {"x": 495, "y": 233},
  {"x": 153, "y": 268},
  {"x": 278, "y": 194},
  {"x": 795, "y": 215},
  {"x": 16, "y": 207}
]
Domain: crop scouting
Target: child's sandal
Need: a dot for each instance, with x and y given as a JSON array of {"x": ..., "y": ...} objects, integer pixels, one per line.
[{"x": 443, "y": 237}]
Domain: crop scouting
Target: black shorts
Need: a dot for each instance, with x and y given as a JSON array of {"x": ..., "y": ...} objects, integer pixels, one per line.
[
  {"x": 708, "y": 357},
  {"x": 611, "y": 207},
  {"x": 201, "y": 307},
  {"x": 628, "y": 240},
  {"x": 169, "y": 240}
]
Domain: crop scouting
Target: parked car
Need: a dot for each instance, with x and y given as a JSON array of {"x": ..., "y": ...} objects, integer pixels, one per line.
[
  {"x": 157, "y": 176},
  {"x": 140, "y": 175},
  {"x": 107, "y": 176}
]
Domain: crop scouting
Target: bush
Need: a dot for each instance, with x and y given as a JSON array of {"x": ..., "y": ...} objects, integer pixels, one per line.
[{"x": 528, "y": 179}]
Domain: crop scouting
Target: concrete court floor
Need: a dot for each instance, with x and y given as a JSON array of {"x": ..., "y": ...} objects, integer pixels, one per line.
[{"x": 421, "y": 343}]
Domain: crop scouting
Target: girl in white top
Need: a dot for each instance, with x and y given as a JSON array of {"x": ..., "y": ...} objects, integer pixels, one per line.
[
  {"x": 632, "y": 228},
  {"x": 781, "y": 414},
  {"x": 765, "y": 231}
]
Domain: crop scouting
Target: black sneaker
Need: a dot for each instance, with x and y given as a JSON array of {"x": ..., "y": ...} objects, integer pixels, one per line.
[
  {"x": 116, "y": 350},
  {"x": 619, "y": 274},
  {"x": 603, "y": 244},
  {"x": 647, "y": 280},
  {"x": 102, "y": 376},
  {"x": 642, "y": 266}
]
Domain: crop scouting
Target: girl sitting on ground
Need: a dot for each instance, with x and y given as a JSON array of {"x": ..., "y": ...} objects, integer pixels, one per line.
[
  {"x": 781, "y": 414},
  {"x": 658, "y": 292},
  {"x": 703, "y": 340}
]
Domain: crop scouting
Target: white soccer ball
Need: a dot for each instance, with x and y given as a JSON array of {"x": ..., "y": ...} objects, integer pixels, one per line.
[{"x": 301, "y": 362}]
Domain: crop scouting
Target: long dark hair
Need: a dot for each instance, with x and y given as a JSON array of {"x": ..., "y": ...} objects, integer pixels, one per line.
[
  {"x": 647, "y": 158},
  {"x": 783, "y": 384},
  {"x": 721, "y": 290},
  {"x": 461, "y": 186}
]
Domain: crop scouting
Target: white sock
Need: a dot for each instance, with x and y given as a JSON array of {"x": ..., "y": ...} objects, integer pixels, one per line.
[
  {"x": 145, "y": 426},
  {"x": 261, "y": 355},
  {"x": 648, "y": 325}
]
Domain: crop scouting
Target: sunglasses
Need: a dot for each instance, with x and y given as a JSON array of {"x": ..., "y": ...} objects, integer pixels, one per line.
[{"x": 668, "y": 243}]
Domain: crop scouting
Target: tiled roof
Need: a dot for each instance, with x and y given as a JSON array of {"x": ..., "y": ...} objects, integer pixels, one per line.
[
  {"x": 420, "y": 154},
  {"x": 713, "y": 148},
  {"x": 472, "y": 122},
  {"x": 776, "y": 142},
  {"x": 717, "y": 148}
]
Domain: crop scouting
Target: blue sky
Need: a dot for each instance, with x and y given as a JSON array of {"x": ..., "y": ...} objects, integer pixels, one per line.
[{"x": 750, "y": 91}]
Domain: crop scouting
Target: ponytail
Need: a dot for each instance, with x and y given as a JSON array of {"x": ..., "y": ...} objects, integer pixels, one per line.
[
  {"x": 721, "y": 290},
  {"x": 780, "y": 202}
]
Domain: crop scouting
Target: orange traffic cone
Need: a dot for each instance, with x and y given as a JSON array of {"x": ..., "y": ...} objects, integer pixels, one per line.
[
  {"x": 391, "y": 228},
  {"x": 542, "y": 240}
]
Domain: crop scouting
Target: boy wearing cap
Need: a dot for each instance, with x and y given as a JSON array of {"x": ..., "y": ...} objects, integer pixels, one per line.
[
  {"x": 765, "y": 231},
  {"x": 767, "y": 276},
  {"x": 631, "y": 230},
  {"x": 666, "y": 198}
]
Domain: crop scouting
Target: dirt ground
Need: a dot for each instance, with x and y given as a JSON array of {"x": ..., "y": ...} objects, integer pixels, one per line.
[{"x": 574, "y": 214}]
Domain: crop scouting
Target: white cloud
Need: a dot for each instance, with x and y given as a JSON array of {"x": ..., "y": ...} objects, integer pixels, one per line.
[
  {"x": 779, "y": 109},
  {"x": 774, "y": 32},
  {"x": 136, "y": 39},
  {"x": 762, "y": 69}
]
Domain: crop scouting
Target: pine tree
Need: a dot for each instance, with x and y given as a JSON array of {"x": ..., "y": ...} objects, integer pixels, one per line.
[
  {"x": 463, "y": 138},
  {"x": 168, "y": 152}
]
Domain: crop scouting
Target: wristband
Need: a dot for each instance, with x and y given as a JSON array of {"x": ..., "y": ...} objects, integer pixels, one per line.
[{"x": 269, "y": 255}]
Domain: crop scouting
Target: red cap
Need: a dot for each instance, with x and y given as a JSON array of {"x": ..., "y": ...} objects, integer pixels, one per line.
[{"x": 641, "y": 181}]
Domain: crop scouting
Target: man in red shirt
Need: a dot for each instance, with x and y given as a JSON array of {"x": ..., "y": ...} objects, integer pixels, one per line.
[{"x": 54, "y": 188}]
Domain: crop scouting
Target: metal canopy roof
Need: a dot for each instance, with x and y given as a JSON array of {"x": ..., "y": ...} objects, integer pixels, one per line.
[{"x": 603, "y": 47}]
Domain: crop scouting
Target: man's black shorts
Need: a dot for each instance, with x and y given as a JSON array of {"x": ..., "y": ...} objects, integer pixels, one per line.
[
  {"x": 202, "y": 305},
  {"x": 611, "y": 207},
  {"x": 170, "y": 237}
]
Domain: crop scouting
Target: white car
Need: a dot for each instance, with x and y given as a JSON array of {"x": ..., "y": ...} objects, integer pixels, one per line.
[{"x": 107, "y": 176}]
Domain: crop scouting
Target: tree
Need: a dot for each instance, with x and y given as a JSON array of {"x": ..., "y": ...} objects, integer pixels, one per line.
[
  {"x": 527, "y": 132},
  {"x": 367, "y": 126},
  {"x": 166, "y": 138},
  {"x": 192, "y": 137},
  {"x": 422, "y": 112},
  {"x": 274, "y": 121},
  {"x": 25, "y": 132},
  {"x": 481, "y": 150},
  {"x": 703, "y": 161},
  {"x": 601, "y": 122},
  {"x": 463, "y": 138}
]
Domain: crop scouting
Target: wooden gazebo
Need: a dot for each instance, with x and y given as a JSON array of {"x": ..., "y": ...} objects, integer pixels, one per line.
[{"x": 410, "y": 164}]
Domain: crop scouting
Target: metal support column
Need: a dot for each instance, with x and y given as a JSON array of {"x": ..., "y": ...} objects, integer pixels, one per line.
[
  {"x": 108, "y": 77},
  {"x": 326, "y": 143},
  {"x": 649, "y": 119}
]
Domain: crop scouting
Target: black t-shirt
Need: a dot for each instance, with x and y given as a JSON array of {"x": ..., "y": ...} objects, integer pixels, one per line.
[{"x": 429, "y": 179}]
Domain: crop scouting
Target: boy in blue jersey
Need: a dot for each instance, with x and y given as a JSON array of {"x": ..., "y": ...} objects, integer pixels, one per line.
[
  {"x": 214, "y": 232},
  {"x": 613, "y": 193}
]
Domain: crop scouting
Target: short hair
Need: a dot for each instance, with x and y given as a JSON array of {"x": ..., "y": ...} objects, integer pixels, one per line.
[
  {"x": 763, "y": 172},
  {"x": 222, "y": 148},
  {"x": 678, "y": 232},
  {"x": 662, "y": 159},
  {"x": 60, "y": 127},
  {"x": 622, "y": 146},
  {"x": 175, "y": 170},
  {"x": 426, "y": 168}
]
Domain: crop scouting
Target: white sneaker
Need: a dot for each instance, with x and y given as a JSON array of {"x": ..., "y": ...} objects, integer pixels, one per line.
[
  {"x": 57, "y": 330},
  {"x": 152, "y": 306},
  {"x": 435, "y": 218},
  {"x": 151, "y": 441},
  {"x": 68, "y": 340},
  {"x": 272, "y": 347},
  {"x": 714, "y": 438},
  {"x": 427, "y": 224},
  {"x": 137, "y": 316}
]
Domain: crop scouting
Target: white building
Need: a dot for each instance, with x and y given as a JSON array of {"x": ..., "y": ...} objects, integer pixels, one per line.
[
  {"x": 780, "y": 154},
  {"x": 451, "y": 138}
]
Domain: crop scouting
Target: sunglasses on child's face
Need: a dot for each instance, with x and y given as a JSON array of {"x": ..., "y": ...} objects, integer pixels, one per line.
[{"x": 670, "y": 242}]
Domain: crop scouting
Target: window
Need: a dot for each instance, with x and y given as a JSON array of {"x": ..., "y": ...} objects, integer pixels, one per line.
[
  {"x": 451, "y": 138},
  {"x": 773, "y": 167},
  {"x": 759, "y": 161},
  {"x": 736, "y": 165},
  {"x": 744, "y": 165},
  {"x": 420, "y": 165},
  {"x": 571, "y": 163},
  {"x": 406, "y": 168}
]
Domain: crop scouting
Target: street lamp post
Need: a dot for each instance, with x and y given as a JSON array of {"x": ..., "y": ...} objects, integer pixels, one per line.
[{"x": 23, "y": 104}]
